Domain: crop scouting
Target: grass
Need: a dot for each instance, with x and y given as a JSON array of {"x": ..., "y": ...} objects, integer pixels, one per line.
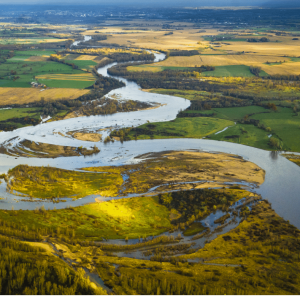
[
  {"x": 295, "y": 59},
  {"x": 154, "y": 69},
  {"x": 83, "y": 64},
  {"x": 19, "y": 58},
  {"x": 132, "y": 218},
  {"x": 34, "y": 52},
  {"x": 285, "y": 124},
  {"x": 79, "y": 81},
  {"x": 245, "y": 134},
  {"x": 54, "y": 183},
  {"x": 193, "y": 229},
  {"x": 11, "y": 95},
  {"x": 292, "y": 157},
  {"x": 19, "y": 113},
  {"x": 32, "y": 40},
  {"x": 75, "y": 77},
  {"x": 237, "y": 113},
  {"x": 182, "y": 127},
  {"x": 289, "y": 67},
  {"x": 68, "y": 84},
  {"x": 137, "y": 217},
  {"x": 25, "y": 71},
  {"x": 232, "y": 71}
]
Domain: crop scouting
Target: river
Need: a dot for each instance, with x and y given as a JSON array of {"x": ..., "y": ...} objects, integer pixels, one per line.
[{"x": 281, "y": 186}]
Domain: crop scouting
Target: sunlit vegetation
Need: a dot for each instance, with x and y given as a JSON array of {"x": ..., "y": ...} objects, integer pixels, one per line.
[
  {"x": 48, "y": 182},
  {"x": 293, "y": 157},
  {"x": 230, "y": 91},
  {"x": 10, "y": 96},
  {"x": 137, "y": 217},
  {"x": 31, "y": 270},
  {"x": 260, "y": 256},
  {"x": 266, "y": 129},
  {"x": 181, "y": 127}
]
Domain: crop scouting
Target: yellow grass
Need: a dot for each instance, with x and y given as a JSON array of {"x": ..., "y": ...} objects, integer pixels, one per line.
[
  {"x": 218, "y": 60},
  {"x": 180, "y": 39},
  {"x": 85, "y": 57},
  {"x": 286, "y": 46},
  {"x": 74, "y": 77},
  {"x": 290, "y": 68},
  {"x": 146, "y": 69},
  {"x": 10, "y": 96}
]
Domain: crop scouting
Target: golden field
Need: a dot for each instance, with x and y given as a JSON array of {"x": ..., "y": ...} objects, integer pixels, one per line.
[
  {"x": 287, "y": 67},
  {"x": 279, "y": 48},
  {"x": 86, "y": 57},
  {"x": 284, "y": 46},
  {"x": 76, "y": 77},
  {"x": 154, "y": 39},
  {"x": 10, "y": 96}
]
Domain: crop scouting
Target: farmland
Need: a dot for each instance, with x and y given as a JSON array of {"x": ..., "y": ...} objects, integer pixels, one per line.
[
  {"x": 76, "y": 81},
  {"x": 22, "y": 73},
  {"x": 11, "y": 96},
  {"x": 287, "y": 66},
  {"x": 12, "y": 41}
]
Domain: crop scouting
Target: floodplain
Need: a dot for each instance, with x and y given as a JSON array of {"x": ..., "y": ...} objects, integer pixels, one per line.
[{"x": 162, "y": 222}]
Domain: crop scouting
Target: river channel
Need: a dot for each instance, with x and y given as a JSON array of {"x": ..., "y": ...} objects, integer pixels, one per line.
[{"x": 281, "y": 186}]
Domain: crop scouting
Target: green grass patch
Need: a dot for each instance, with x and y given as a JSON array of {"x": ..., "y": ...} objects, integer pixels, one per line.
[
  {"x": 83, "y": 64},
  {"x": 230, "y": 71},
  {"x": 245, "y": 134},
  {"x": 285, "y": 124},
  {"x": 19, "y": 113},
  {"x": 34, "y": 52},
  {"x": 25, "y": 71},
  {"x": 71, "y": 84},
  {"x": 181, "y": 127},
  {"x": 237, "y": 113},
  {"x": 18, "y": 58},
  {"x": 194, "y": 228},
  {"x": 295, "y": 59},
  {"x": 30, "y": 40},
  {"x": 11, "y": 83}
]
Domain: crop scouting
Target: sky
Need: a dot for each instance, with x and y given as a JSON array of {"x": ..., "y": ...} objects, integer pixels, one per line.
[{"x": 198, "y": 3}]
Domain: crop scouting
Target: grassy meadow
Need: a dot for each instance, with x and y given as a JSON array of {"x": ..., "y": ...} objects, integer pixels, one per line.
[
  {"x": 27, "y": 66},
  {"x": 137, "y": 217},
  {"x": 182, "y": 127},
  {"x": 54, "y": 183}
]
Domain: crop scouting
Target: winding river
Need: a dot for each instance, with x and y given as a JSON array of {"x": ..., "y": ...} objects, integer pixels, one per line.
[{"x": 281, "y": 186}]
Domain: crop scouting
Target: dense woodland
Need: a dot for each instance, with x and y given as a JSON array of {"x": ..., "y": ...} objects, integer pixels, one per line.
[{"x": 28, "y": 270}]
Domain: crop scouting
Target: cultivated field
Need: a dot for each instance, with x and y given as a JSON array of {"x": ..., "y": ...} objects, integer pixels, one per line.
[
  {"x": 86, "y": 57},
  {"x": 75, "y": 77},
  {"x": 10, "y": 96},
  {"x": 287, "y": 66},
  {"x": 7, "y": 41}
]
